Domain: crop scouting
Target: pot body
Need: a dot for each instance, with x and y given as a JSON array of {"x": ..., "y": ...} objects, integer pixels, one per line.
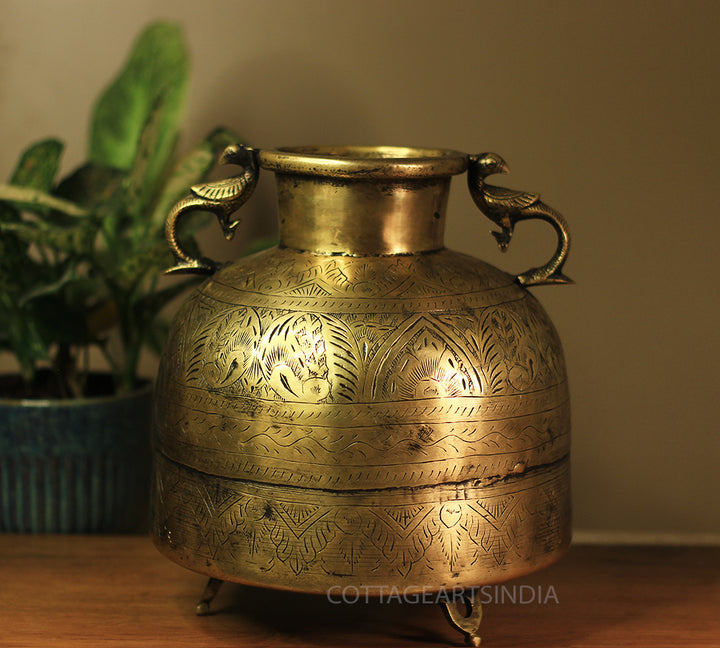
[
  {"x": 75, "y": 466},
  {"x": 328, "y": 417}
]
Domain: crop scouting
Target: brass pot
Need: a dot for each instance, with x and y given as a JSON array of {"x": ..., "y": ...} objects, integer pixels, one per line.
[{"x": 360, "y": 405}]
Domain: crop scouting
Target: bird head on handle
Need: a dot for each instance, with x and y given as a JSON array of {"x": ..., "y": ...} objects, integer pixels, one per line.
[
  {"x": 239, "y": 154},
  {"x": 490, "y": 164}
]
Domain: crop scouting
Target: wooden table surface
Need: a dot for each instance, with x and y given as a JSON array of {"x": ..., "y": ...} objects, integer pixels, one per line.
[{"x": 113, "y": 591}]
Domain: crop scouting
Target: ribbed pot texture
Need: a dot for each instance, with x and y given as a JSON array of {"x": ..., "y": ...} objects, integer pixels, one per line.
[{"x": 75, "y": 466}]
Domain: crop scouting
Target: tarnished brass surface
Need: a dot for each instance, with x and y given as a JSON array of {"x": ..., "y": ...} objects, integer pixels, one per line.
[{"x": 361, "y": 406}]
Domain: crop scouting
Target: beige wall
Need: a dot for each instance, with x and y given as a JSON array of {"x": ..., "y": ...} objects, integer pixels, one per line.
[{"x": 610, "y": 109}]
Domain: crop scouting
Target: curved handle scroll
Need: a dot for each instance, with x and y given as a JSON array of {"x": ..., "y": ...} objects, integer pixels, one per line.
[
  {"x": 222, "y": 198},
  {"x": 505, "y": 207}
]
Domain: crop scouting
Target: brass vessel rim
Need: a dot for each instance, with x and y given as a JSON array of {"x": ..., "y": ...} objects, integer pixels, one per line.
[{"x": 372, "y": 162}]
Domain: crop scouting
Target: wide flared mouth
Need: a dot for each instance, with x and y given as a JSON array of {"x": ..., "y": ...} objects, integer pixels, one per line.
[{"x": 372, "y": 162}]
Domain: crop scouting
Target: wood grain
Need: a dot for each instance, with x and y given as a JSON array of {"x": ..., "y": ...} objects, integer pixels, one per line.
[{"x": 84, "y": 591}]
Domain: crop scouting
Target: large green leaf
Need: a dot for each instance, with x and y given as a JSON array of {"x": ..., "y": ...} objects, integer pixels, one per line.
[
  {"x": 93, "y": 186},
  {"x": 100, "y": 190},
  {"x": 38, "y": 165},
  {"x": 51, "y": 288},
  {"x": 21, "y": 334},
  {"x": 155, "y": 74},
  {"x": 139, "y": 185},
  {"x": 75, "y": 240},
  {"x": 13, "y": 251},
  {"x": 32, "y": 199},
  {"x": 128, "y": 274}
]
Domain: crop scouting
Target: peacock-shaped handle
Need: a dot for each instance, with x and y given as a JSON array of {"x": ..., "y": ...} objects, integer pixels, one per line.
[
  {"x": 222, "y": 198},
  {"x": 505, "y": 207}
]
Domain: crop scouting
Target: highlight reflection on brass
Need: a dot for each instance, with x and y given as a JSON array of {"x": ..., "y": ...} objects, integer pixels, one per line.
[{"x": 360, "y": 405}]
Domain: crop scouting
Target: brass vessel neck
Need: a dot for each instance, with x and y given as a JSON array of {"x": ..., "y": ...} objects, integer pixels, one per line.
[{"x": 362, "y": 200}]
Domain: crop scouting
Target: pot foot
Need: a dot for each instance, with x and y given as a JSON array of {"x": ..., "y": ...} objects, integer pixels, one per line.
[
  {"x": 209, "y": 593},
  {"x": 465, "y": 615}
]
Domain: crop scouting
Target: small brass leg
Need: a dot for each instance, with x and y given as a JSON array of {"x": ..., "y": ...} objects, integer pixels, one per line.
[
  {"x": 209, "y": 593},
  {"x": 465, "y": 615}
]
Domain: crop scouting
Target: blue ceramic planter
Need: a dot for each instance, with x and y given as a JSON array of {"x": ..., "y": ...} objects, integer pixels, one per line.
[{"x": 75, "y": 466}]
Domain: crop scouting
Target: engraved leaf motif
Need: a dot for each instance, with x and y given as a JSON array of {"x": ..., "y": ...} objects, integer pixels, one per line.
[
  {"x": 483, "y": 349},
  {"x": 450, "y": 526},
  {"x": 231, "y": 350},
  {"x": 428, "y": 368},
  {"x": 295, "y": 359},
  {"x": 224, "y": 350},
  {"x": 343, "y": 355},
  {"x": 350, "y": 548},
  {"x": 218, "y": 516},
  {"x": 315, "y": 539},
  {"x": 371, "y": 333},
  {"x": 495, "y": 537},
  {"x": 508, "y": 359},
  {"x": 311, "y": 358},
  {"x": 299, "y": 553},
  {"x": 450, "y": 543},
  {"x": 550, "y": 361},
  {"x": 351, "y": 542},
  {"x": 401, "y": 556},
  {"x": 200, "y": 331},
  {"x": 497, "y": 322},
  {"x": 492, "y": 364}
]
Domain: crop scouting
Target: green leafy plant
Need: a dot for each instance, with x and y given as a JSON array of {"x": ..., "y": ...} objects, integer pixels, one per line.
[{"x": 81, "y": 257}]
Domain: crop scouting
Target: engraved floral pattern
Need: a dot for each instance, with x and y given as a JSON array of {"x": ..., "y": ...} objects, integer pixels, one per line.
[
  {"x": 293, "y": 381},
  {"x": 278, "y": 539}
]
